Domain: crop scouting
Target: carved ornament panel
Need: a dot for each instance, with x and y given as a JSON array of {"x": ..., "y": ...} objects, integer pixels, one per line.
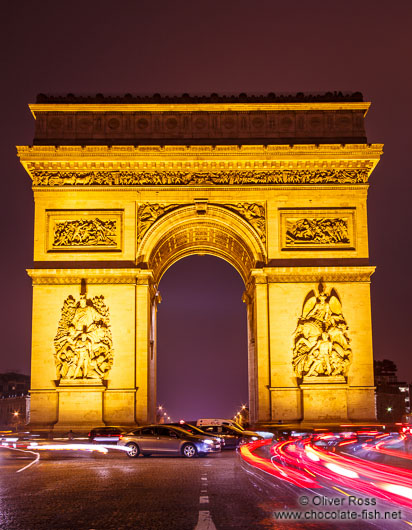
[
  {"x": 321, "y": 340},
  {"x": 253, "y": 213},
  {"x": 84, "y": 230},
  {"x": 321, "y": 229},
  {"x": 83, "y": 342},
  {"x": 149, "y": 213}
]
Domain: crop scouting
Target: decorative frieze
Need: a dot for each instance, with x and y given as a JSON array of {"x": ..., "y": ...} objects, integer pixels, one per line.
[
  {"x": 185, "y": 178},
  {"x": 92, "y": 276},
  {"x": 312, "y": 274}
]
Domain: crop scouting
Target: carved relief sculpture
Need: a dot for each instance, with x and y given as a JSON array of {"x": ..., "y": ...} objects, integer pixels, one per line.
[
  {"x": 148, "y": 213},
  {"x": 85, "y": 232},
  {"x": 83, "y": 343},
  {"x": 317, "y": 231},
  {"x": 139, "y": 178},
  {"x": 254, "y": 214},
  {"x": 321, "y": 342}
]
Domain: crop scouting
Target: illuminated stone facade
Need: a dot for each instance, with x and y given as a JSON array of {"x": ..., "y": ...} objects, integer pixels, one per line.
[{"x": 124, "y": 189}]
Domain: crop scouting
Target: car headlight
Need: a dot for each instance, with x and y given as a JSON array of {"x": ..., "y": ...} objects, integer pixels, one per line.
[
  {"x": 254, "y": 438},
  {"x": 208, "y": 441}
]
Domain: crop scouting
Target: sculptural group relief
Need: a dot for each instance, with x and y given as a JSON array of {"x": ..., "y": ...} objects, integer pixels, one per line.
[
  {"x": 317, "y": 231},
  {"x": 83, "y": 343},
  {"x": 234, "y": 177},
  {"x": 321, "y": 341},
  {"x": 85, "y": 232}
]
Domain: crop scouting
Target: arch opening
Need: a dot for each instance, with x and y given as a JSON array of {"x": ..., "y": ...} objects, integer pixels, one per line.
[
  {"x": 213, "y": 230},
  {"x": 202, "y": 345}
]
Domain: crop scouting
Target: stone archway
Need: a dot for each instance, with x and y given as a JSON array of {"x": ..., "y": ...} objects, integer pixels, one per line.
[
  {"x": 123, "y": 189},
  {"x": 203, "y": 228}
]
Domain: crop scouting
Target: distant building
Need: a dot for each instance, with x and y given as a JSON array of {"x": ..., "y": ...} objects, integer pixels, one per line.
[
  {"x": 393, "y": 397},
  {"x": 12, "y": 384},
  {"x": 14, "y": 401}
]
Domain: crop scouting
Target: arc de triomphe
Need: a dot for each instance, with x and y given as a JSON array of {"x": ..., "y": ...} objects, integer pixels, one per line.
[{"x": 125, "y": 187}]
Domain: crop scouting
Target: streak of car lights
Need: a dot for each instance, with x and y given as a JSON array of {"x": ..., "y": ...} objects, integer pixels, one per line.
[
  {"x": 348, "y": 442},
  {"x": 76, "y": 447},
  {"x": 379, "y": 480},
  {"x": 296, "y": 477},
  {"x": 379, "y": 448}
]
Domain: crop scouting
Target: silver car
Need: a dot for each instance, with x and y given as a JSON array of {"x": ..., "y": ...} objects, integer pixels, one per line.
[{"x": 164, "y": 440}]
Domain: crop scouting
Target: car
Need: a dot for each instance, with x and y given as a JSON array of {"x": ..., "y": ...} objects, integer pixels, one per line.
[
  {"x": 233, "y": 437},
  {"x": 218, "y": 421},
  {"x": 167, "y": 440},
  {"x": 107, "y": 435},
  {"x": 189, "y": 427}
]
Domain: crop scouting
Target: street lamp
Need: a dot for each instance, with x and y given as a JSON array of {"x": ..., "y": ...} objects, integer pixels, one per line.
[{"x": 16, "y": 419}]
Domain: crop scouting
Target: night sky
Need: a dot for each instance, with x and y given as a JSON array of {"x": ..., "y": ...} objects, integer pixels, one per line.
[{"x": 227, "y": 47}]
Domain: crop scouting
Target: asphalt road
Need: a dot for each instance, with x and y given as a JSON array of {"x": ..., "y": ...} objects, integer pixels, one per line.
[{"x": 74, "y": 490}]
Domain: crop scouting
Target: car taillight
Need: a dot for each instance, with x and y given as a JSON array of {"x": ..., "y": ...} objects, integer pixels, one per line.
[
  {"x": 89, "y": 435},
  {"x": 120, "y": 436}
]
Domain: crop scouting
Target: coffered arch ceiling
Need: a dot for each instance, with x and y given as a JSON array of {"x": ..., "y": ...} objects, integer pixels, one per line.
[{"x": 202, "y": 229}]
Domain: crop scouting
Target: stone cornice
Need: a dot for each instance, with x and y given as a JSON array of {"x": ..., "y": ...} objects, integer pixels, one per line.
[
  {"x": 312, "y": 274},
  {"x": 197, "y": 153},
  {"x": 176, "y": 165},
  {"x": 92, "y": 276},
  {"x": 198, "y": 107}
]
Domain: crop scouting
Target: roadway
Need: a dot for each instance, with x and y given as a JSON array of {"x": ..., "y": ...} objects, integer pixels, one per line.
[{"x": 77, "y": 490}]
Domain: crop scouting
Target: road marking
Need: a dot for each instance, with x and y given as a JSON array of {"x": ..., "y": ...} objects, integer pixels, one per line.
[
  {"x": 205, "y": 521},
  {"x": 204, "y": 499},
  {"x": 31, "y": 463}
]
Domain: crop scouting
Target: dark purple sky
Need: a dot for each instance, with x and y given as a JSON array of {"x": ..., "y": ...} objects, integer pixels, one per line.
[{"x": 202, "y": 47}]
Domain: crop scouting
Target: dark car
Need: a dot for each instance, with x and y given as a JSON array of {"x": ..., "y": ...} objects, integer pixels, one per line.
[
  {"x": 167, "y": 440},
  {"x": 233, "y": 437},
  {"x": 106, "y": 435},
  {"x": 189, "y": 427}
]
